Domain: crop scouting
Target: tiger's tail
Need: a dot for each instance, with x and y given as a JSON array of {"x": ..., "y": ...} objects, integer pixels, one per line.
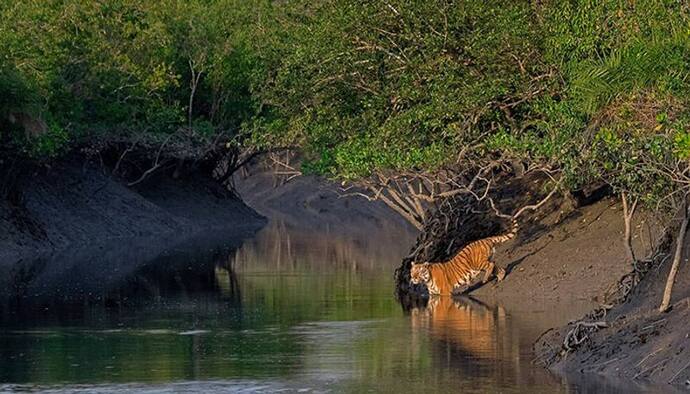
[{"x": 507, "y": 236}]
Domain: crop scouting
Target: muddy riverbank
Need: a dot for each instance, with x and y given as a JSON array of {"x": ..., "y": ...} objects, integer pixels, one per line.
[
  {"x": 560, "y": 267},
  {"x": 73, "y": 204},
  {"x": 632, "y": 340}
]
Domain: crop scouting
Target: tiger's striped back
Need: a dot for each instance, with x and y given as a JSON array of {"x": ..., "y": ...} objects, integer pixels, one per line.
[{"x": 469, "y": 262}]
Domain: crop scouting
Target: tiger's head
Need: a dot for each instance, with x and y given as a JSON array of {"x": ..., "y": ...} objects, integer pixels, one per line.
[{"x": 420, "y": 273}]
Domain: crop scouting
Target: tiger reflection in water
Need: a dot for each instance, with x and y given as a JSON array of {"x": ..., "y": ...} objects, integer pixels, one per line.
[{"x": 469, "y": 325}]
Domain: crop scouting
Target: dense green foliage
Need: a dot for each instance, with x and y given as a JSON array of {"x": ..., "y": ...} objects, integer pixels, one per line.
[
  {"x": 596, "y": 89},
  {"x": 376, "y": 86},
  {"x": 125, "y": 67}
]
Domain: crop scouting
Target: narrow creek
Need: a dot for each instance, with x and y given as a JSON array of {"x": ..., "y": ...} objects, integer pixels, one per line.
[{"x": 286, "y": 310}]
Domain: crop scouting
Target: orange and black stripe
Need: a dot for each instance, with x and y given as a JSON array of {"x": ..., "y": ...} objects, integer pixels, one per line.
[{"x": 467, "y": 263}]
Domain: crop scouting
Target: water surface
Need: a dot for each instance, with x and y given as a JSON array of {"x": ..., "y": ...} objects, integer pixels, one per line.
[{"x": 289, "y": 310}]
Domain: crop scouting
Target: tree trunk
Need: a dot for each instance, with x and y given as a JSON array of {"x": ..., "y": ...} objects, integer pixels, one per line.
[{"x": 666, "y": 301}]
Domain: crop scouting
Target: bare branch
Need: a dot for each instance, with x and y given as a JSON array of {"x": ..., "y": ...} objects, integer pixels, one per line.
[
  {"x": 538, "y": 205},
  {"x": 156, "y": 163},
  {"x": 122, "y": 157},
  {"x": 410, "y": 218}
]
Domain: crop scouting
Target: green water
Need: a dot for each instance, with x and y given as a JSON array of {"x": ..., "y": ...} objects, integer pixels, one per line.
[{"x": 284, "y": 311}]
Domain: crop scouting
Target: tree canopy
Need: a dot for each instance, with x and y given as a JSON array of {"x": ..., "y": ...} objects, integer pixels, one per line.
[{"x": 596, "y": 90}]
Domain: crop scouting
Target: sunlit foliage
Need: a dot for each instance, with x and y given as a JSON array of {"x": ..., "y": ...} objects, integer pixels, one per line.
[{"x": 597, "y": 89}]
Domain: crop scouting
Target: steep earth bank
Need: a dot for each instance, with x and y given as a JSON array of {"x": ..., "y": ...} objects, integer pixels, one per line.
[
  {"x": 632, "y": 340},
  {"x": 319, "y": 206},
  {"x": 75, "y": 204},
  {"x": 566, "y": 264}
]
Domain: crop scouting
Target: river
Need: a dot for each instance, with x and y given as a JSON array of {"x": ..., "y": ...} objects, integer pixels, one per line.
[{"x": 286, "y": 310}]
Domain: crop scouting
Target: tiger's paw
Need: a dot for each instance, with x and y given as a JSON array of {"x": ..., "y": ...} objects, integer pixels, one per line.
[
  {"x": 501, "y": 274},
  {"x": 460, "y": 289}
]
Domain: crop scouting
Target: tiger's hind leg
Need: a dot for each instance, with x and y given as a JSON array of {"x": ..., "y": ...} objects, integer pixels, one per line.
[{"x": 491, "y": 268}]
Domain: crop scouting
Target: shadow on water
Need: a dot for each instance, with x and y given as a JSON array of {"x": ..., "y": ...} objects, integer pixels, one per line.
[
  {"x": 117, "y": 277},
  {"x": 286, "y": 310}
]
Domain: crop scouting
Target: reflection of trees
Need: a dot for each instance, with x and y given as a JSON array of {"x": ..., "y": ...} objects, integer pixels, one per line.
[
  {"x": 189, "y": 287},
  {"x": 14, "y": 284},
  {"x": 152, "y": 303},
  {"x": 293, "y": 274},
  {"x": 226, "y": 280},
  {"x": 138, "y": 356},
  {"x": 283, "y": 247}
]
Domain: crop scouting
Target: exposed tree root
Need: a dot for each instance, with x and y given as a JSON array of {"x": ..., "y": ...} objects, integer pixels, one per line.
[
  {"x": 580, "y": 333},
  {"x": 619, "y": 292}
]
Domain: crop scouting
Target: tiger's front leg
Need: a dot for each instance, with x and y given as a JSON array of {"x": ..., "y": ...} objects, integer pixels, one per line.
[
  {"x": 500, "y": 274},
  {"x": 488, "y": 272}
]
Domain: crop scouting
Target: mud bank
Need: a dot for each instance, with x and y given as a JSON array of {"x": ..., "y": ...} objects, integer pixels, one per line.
[
  {"x": 562, "y": 254},
  {"x": 633, "y": 340},
  {"x": 571, "y": 261},
  {"x": 566, "y": 264},
  {"x": 318, "y": 205},
  {"x": 72, "y": 204}
]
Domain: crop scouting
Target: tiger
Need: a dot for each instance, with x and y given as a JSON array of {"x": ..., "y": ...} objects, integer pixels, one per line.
[{"x": 458, "y": 273}]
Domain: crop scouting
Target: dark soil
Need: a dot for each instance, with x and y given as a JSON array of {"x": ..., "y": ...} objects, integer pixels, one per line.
[{"x": 75, "y": 203}]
